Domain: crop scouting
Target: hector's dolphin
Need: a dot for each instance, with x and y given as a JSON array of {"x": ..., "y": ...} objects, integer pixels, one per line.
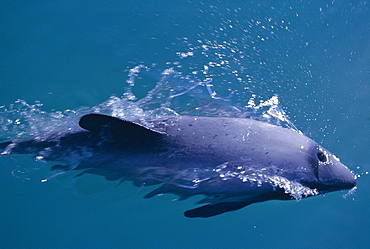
[{"x": 233, "y": 162}]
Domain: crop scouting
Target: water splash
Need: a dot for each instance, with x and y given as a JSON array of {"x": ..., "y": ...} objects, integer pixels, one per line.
[
  {"x": 173, "y": 94},
  {"x": 259, "y": 176}
]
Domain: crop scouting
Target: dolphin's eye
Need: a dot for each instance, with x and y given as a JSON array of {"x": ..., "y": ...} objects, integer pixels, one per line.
[{"x": 322, "y": 157}]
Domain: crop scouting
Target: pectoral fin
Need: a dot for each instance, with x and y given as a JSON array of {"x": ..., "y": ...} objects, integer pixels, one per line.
[{"x": 214, "y": 209}]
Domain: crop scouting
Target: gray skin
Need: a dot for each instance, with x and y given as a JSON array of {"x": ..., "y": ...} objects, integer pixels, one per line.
[{"x": 234, "y": 162}]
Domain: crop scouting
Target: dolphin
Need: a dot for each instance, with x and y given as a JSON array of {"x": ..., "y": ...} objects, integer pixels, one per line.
[{"x": 233, "y": 162}]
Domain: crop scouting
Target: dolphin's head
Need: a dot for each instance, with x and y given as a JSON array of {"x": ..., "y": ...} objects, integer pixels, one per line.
[
  {"x": 330, "y": 173},
  {"x": 303, "y": 160}
]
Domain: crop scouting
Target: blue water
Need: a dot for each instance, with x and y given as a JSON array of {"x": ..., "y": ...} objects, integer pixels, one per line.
[{"x": 70, "y": 54}]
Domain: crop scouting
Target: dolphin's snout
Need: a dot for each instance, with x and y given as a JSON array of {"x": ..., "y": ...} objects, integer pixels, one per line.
[{"x": 350, "y": 182}]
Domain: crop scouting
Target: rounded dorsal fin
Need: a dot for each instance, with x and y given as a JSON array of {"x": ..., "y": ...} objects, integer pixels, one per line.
[{"x": 116, "y": 127}]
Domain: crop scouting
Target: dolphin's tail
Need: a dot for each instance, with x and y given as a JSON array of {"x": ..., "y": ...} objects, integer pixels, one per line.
[
  {"x": 3, "y": 146},
  {"x": 25, "y": 147}
]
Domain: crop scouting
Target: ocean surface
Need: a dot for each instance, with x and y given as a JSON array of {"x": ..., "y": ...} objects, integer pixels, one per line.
[{"x": 62, "y": 57}]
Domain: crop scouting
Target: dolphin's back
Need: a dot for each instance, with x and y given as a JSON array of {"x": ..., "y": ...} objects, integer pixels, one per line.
[{"x": 240, "y": 139}]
